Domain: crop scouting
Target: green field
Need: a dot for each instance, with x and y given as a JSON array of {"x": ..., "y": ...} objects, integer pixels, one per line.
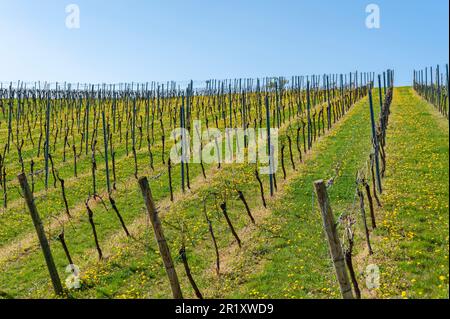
[{"x": 283, "y": 255}]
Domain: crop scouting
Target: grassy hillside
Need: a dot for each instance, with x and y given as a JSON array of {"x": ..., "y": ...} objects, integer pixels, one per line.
[
  {"x": 285, "y": 254},
  {"x": 132, "y": 267}
]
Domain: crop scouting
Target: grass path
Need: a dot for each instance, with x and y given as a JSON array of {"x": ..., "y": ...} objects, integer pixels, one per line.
[{"x": 413, "y": 243}]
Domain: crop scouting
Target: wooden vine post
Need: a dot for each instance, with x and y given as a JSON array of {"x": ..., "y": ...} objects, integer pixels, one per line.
[
  {"x": 41, "y": 234},
  {"x": 334, "y": 243},
  {"x": 47, "y": 139},
  {"x": 380, "y": 93},
  {"x": 375, "y": 142},
  {"x": 182, "y": 124},
  {"x": 159, "y": 234},
  {"x": 105, "y": 143},
  {"x": 269, "y": 146},
  {"x": 87, "y": 121},
  {"x": 448, "y": 95},
  {"x": 10, "y": 110},
  {"x": 308, "y": 105},
  {"x": 328, "y": 104}
]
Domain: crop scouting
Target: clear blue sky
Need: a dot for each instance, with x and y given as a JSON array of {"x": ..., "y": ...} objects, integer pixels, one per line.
[{"x": 146, "y": 40}]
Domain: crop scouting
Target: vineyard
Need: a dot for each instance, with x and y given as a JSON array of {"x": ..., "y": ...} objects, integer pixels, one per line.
[
  {"x": 433, "y": 89},
  {"x": 106, "y": 194}
]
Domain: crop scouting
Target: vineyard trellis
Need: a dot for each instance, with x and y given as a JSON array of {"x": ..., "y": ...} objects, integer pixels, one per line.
[
  {"x": 432, "y": 85},
  {"x": 98, "y": 122},
  {"x": 343, "y": 250}
]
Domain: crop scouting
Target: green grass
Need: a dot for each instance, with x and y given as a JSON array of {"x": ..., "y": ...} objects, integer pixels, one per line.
[
  {"x": 414, "y": 235},
  {"x": 289, "y": 257},
  {"x": 411, "y": 243},
  {"x": 135, "y": 263},
  {"x": 285, "y": 255}
]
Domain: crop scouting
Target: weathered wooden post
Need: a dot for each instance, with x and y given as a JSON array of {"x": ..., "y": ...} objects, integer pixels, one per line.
[
  {"x": 105, "y": 143},
  {"x": 328, "y": 105},
  {"x": 41, "y": 234},
  {"x": 448, "y": 95},
  {"x": 334, "y": 243},
  {"x": 308, "y": 105},
  {"x": 269, "y": 145},
  {"x": 375, "y": 142},
  {"x": 380, "y": 93},
  {"x": 47, "y": 138},
  {"x": 159, "y": 234},
  {"x": 438, "y": 84},
  {"x": 87, "y": 120},
  {"x": 182, "y": 118},
  {"x": 10, "y": 110}
]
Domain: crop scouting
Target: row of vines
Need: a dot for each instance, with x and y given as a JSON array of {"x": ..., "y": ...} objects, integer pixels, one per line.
[
  {"x": 84, "y": 149},
  {"x": 432, "y": 85}
]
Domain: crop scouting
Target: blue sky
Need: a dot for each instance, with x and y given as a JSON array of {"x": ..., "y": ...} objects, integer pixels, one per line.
[{"x": 138, "y": 40}]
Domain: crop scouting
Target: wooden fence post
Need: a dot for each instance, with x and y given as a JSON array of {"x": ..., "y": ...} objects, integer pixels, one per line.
[
  {"x": 41, "y": 234},
  {"x": 162, "y": 243},
  {"x": 47, "y": 138},
  {"x": 105, "y": 142},
  {"x": 308, "y": 105},
  {"x": 375, "y": 142},
  {"x": 334, "y": 243},
  {"x": 271, "y": 175}
]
